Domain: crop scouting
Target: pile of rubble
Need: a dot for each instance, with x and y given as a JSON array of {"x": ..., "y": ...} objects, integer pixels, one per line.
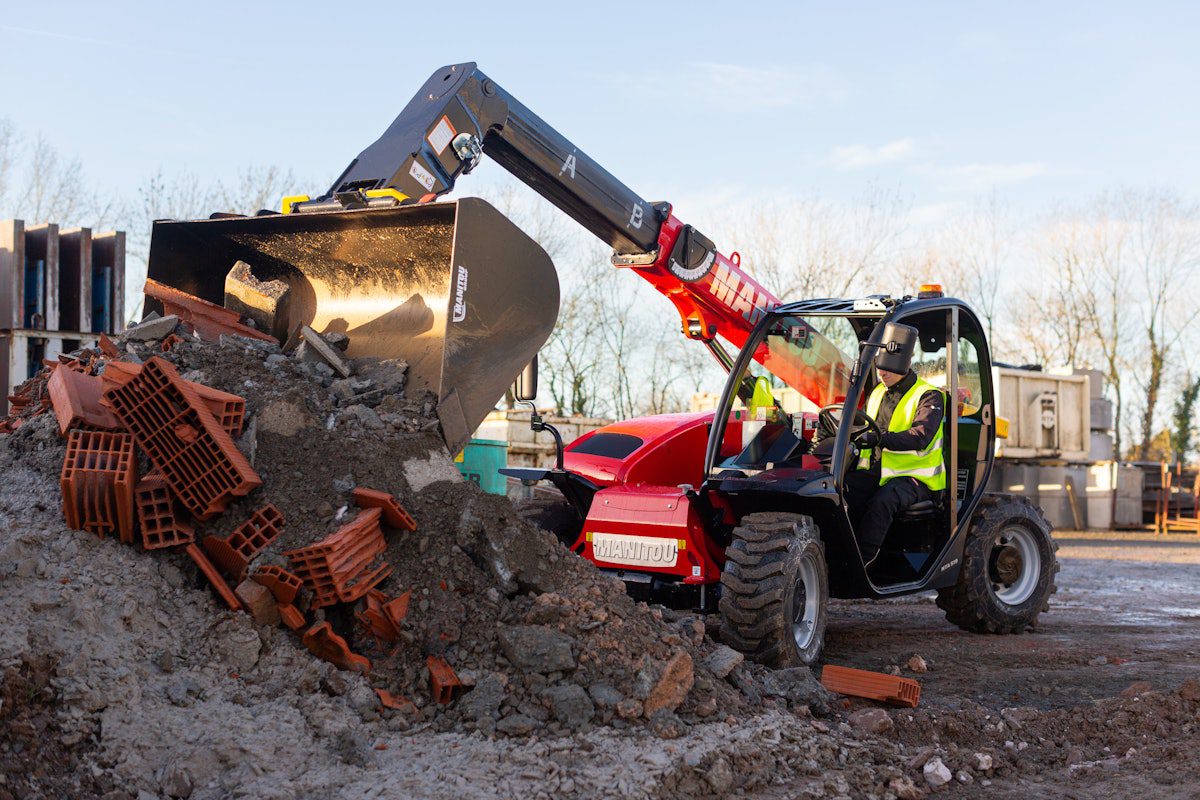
[
  {"x": 283, "y": 580},
  {"x": 311, "y": 493}
]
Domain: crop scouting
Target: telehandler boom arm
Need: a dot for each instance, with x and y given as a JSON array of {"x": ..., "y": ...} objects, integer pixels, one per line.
[{"x": 460, "y": 114}]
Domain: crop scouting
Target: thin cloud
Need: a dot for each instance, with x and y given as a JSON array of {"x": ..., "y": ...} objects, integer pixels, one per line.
[
  {"x": 858, "y": 156},
  {"x": 107, "y": 43},
  {"x": 981, "y": 176},
  {"x": 739, "y": 88}
]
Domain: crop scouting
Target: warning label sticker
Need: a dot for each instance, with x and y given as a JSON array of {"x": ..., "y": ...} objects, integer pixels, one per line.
[
  {"x": 441, "y": 135},
  {"x": 423, "y": 176}
]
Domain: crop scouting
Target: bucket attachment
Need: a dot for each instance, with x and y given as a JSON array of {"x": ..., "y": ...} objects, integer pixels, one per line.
[{"x": 455, "y": 289}]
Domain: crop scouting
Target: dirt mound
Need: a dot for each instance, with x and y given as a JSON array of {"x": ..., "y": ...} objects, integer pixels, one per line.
[
  {"x": 131, "y": 677},
  {"x": 540, "y": 639},
  {"x": 36, "y": 758}
]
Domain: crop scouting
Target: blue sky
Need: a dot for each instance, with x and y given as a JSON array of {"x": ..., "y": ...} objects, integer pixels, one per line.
[{"x": 698, "y": 103}]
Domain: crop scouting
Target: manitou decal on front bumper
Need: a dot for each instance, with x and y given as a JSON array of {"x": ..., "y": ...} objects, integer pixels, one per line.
[{"x": 634, "y": 551}]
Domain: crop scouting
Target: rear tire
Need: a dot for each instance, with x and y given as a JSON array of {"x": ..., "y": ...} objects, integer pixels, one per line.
[
  {"x": 775, "y": 590},
  {"x": 554, "y": 514},
  {"x": 1008, "y": 568}
]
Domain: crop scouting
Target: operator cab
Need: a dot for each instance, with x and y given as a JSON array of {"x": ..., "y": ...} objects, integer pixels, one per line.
[{"x": 799, "y": 400}]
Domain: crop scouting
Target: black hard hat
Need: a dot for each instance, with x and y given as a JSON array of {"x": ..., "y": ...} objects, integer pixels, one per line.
[{"x": 899, "y": 342}]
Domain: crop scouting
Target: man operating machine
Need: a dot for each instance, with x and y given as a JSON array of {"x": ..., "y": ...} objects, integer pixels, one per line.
[{"x": 904, "y": 464}]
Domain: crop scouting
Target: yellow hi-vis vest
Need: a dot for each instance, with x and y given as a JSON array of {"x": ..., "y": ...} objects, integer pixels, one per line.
[{"x": 927, "y": 465}]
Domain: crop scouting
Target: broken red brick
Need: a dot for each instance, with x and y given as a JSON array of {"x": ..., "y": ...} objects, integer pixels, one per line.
[
  {"x": 871, "y": 685},
  {"x": 382, "y": 617},
  {"x": 97, "y": 481},
  {"x": 393, "y": 513},
  {"x": 291, "y": 616},
  {"x": 328, "y": 646},
  {"x": 160, "y": 520},
  {"x": 283, "y": 584},
  {"x": 107, "y": 347},
  {"x": 214, "y": 576},
  {"x": 199, "y": 460},
  {"x": 76, "y": 400},
  {"x": 208, "y": 320},
  {"x": 229, "y": 409},
  {"x": 258, "y": 601},
  {"x": 396, "y": 610},
  {"x": 398, "y": 702},
  {"x": 234, "y": 553},
  {"x": 336, "y": 568},
  {"x": 442, "y": 680},
  {"x": 169, "y": 342}
]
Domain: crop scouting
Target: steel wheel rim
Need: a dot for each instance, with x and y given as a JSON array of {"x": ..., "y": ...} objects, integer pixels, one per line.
[
  {"x": 1025, "y": 584},
  {"x": 805, "y": 604}
]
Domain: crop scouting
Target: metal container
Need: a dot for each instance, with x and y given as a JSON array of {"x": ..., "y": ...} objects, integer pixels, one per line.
[{"x": 1049, "y": 415}]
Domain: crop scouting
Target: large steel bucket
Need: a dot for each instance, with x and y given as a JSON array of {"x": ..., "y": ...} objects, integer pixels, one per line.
[{"x": 455, "y": 289}]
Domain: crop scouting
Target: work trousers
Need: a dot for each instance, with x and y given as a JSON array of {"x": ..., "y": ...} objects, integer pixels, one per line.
[{"x": 873, "y": 507}]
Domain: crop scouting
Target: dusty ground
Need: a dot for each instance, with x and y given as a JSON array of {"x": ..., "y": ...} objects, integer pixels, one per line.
[
  {"x": 122, "y": 677},
  {"x": 1130, "y": 600},
  {"x": 1127, "y": 612}
]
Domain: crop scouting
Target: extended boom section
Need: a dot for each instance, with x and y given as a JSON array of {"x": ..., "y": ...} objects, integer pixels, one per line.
[{"x": 460, "y": 114}]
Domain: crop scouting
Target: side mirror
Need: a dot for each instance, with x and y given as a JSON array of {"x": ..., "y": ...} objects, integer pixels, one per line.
[{"x": 526, "y": 387}]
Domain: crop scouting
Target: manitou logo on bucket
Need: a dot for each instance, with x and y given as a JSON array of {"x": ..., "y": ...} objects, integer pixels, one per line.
[
  {"x": 636, "y": 551},
  {"x": 460, "y": 291}
]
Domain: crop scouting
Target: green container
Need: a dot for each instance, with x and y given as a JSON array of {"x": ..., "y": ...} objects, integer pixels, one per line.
[{"x": 481, "y": 461}]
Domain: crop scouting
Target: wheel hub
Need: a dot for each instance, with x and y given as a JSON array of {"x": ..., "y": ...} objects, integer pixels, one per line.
[
  {"x": 804, "y": 605},
  {"x": 1007, "y": 564}
]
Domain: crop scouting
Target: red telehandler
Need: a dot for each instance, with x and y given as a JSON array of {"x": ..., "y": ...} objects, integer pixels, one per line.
[{"x": 741, "y": 510}]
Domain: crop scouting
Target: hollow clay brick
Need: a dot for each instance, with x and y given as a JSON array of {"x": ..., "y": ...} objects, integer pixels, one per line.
[
  {"x": 158, "y": 517},
  {"x": 337, "y": 568},
  {"x": 871, "y": 685},
  {"x": 394, "y": 514},
  {"x": 283, "y": 584},
  {"x": 76, "y": 400},
  {"x": 97, "y": 481},
  {"x": 442, "y": 680},
  {"x": 234, "y": 552},
  {"x": 198, "y": 459}
]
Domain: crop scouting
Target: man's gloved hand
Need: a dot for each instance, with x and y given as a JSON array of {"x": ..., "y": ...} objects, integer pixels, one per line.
[{"x": 867, "y": 440}]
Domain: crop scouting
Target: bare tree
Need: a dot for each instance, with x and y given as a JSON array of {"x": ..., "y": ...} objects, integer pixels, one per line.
[
  {"x": 8, "y": 148},
  {"x": 572, "y": 355},
  {"x": 545, "y": 224},
  {"x": 977, "y": 257},
  {"x": 1056, "y": 311},
  {"x": 1088, "y": 251},
  {"x": 40, "y": 185},
  {"x": 820, "y": 248},
  {"x": 1165, "y": 256},
  {"x": 255, "y": 188}
]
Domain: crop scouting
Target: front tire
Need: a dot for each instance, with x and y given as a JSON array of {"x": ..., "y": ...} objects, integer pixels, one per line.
[
  {"x": 1008, "y": 569},
  {"x": 775, "y": 590}
]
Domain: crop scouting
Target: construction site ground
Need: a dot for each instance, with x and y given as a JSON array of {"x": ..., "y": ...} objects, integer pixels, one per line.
[{"x": 122, "y": 675}]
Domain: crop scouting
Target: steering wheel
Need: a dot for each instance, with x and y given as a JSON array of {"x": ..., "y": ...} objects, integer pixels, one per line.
[{"x": 830, "y": 417}]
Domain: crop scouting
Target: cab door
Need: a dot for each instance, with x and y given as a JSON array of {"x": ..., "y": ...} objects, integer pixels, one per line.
[{"x": 964, "y": 372}]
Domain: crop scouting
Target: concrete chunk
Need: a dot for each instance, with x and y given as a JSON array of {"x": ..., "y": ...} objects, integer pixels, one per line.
[
  {"x": 314, "y": 348},
  {"x": 538, "y": 649},
  {"x": 153, "y": 329}
]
